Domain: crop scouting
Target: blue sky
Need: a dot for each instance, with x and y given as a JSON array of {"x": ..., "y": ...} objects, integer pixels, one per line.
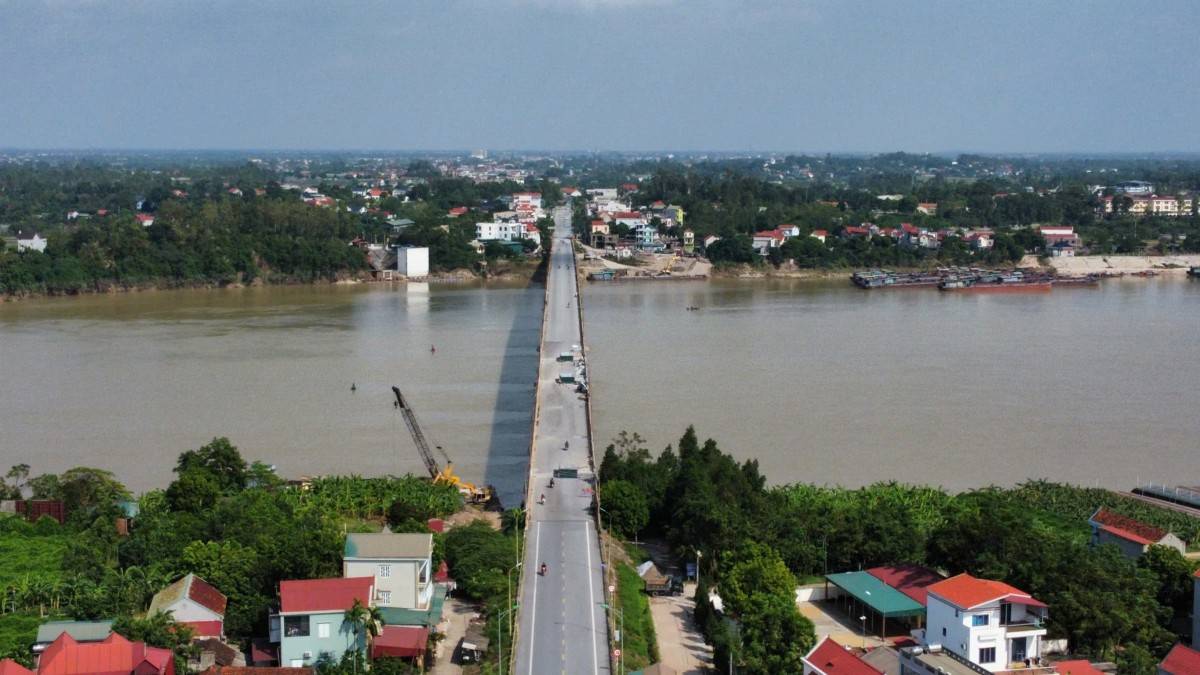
[{"x": 819, "y": 75}]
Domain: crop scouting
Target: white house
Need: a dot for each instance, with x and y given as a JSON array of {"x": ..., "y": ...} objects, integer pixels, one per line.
[
  {"x": 499, "y": 231},
  {"x": 988, "y": 623},
  {"x": 401, "y": 565},
  {"x": 413, "y": 261},
  {"x": 193, "y": 601},
  {"x": 28, "y": 240}
]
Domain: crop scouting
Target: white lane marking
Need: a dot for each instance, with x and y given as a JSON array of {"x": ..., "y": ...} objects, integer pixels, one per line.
[
  {"x": 587, "y": 542},
  {"x": 537, "y": 548}
]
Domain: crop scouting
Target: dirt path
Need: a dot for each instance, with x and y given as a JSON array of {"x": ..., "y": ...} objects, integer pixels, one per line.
[{"x": 456, "y": 614}]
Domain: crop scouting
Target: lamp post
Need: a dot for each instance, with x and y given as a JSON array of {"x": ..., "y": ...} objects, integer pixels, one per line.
[
  {"x": 500, "y": 637},
  {"x": 607, "y": 556},
  {"x": 863, "y": 619},
  {"x": 620, "y": 634},
  {"x": 697, "y": 567}
]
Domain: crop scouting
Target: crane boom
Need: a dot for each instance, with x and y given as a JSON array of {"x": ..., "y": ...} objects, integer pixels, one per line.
[{"x": 418, "y": 436}]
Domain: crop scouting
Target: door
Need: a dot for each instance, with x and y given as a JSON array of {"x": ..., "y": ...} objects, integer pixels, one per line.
[{"x": 1018, "y": 651}]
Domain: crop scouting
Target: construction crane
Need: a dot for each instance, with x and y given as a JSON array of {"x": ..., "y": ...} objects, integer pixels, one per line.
[{"x": 439, "y": 474}]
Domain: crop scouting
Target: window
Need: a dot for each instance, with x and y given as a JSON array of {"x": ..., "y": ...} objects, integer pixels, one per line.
[
  {"x": 385, "y": 571},
  {"x": 323, "y": 630},
  {"x": 987, "y": 655},
  {"x": 295, "y": 626},
  {"x": 979, "y": 620},
  {"x": 384, "y": 597},
  {"x": 424, "y": 574}
]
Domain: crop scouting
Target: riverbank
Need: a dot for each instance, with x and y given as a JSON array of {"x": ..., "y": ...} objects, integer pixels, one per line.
[
  {"x": 1124, "y": 264},
  {"x": 510, "y": 274}
]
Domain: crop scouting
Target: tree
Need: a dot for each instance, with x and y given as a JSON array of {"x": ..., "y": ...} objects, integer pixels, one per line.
[
  {"x": 366, "y": 622},
  {"x": 775, "y": 636},
  {"x": 86, "y": 490},
  {"x": 196, "y": 490},
  {"x": 221, "y": 460},
  {"x": 628, "y": 512},
  {"x": 1173, "y": 576},
  {"x": 237, "y": 572},
  {"x": 756, "y": 569},
  {"x": 14, "y": 481},
  {"x": 160, "y": 630},
  {"x": 735, "y": 249}
]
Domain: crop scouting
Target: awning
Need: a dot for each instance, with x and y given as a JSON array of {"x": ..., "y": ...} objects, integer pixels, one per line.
[
  {"x": 396, "y": 616},
  {"x": 1023, "y": 600},
  {"x": 872, "y": 592},
  {"x": 400, "y": 641}
]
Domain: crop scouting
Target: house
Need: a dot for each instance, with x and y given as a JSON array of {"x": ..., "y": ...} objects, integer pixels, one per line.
[
  {"x": 528, "y": 205},
  {"x": 114, "y": 655},
  {"x": 145, "y": 219},
  {"x": 831, "y": 658},
  {"x": 630, "y": 219},
  {"x": 457, "y": 211},
  {"x": 412, "y": 261},
  {"x": 1132, "y": 536},
  {"x": 600, "y": 227},
  {"x": 193, "y": 601},
  {"x": 647, "y": 236},
  {"x": 979, "y": 240},
  {"x": 819, "y": 235},
  {"x": 1077, "y": 667},
  {"x": 1181, "y": 660},
  {"x": 501, "y": 231},
  {"x": 10, "y": 667},
  {"x": 400, "y": 566},
  {"x": 30, "y": 240},
  {"x": 989, "y": 623},
  {"x": 853, "y": 231},
  {"x": 710, "y": 240},
  {"x": 311, "y": 619},
  {"x": 928, "y": 208},
  {"x": 1061, "y": 240},
  {"x": 762, "y": 242},
  {"x": 689, "y": 242},
  {"x": 81, "y": 631}
]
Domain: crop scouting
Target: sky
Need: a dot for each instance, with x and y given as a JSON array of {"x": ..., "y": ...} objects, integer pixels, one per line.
[{"x": 628, "y": 75}]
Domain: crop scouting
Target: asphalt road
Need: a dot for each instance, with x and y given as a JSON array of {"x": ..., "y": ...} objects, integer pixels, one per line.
[{"x": 562, "y": 623}]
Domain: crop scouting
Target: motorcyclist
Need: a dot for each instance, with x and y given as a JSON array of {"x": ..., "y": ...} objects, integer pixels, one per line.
[
  {"x": 542, "y": 499},
  {"x": 542, "y": 570}
]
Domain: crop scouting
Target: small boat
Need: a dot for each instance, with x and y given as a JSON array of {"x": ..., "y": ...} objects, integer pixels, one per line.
[{"x": 1194, "y": 272}]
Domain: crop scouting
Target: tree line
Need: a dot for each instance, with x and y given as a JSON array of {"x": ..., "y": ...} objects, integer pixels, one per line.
[{"x": 1033, "y": 536}]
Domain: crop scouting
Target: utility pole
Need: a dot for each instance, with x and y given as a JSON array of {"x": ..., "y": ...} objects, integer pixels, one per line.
[{"x": 500, "y": 637}]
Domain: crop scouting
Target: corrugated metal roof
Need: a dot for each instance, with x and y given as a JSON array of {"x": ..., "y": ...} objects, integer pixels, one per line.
[
  {"x": 82, "y": 631},
  {"x": 324, "y": 595},
  {"x": 875, "y": 594}
]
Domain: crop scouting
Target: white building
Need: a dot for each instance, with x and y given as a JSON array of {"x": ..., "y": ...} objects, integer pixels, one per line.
[
  {"x": 527, "y": 205},
  {"x": 988, "y": 623},
  {"x": 413, "y": 261},
  {"x": 194, "y": 602},
  {"x": 28, "y": 240},
  {"x": 401, "y": 565}
]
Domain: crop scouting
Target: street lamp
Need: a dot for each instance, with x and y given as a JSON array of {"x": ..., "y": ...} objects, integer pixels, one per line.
[
  {"x": 698, "y": 555},
  {"x": 500, "y": 638},
  {"x": 863, "y": 619},
  {"x": 607, "y": 553},
  {"x": 620, "y": 634}
]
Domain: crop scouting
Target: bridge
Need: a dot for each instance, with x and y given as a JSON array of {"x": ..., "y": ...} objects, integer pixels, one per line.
[{"x": 563, "y": 625}]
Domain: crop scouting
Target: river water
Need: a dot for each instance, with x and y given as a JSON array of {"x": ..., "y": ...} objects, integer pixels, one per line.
[{"x": 821, "y": 382}]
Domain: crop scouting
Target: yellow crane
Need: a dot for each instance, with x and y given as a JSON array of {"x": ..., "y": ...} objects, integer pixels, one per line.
[{"x": 473, "y": 493}]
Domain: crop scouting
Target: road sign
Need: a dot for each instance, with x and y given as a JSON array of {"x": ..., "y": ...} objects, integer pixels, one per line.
[
  {"x": 612, "y": 589},
  {"x": 616, "y": 652},
  {"x": 691, "y": 570}
]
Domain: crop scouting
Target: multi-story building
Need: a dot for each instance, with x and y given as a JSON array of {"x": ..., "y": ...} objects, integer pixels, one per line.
[
  {"x": 400, "y": 564},
  {"x": 987, "y": 623}
]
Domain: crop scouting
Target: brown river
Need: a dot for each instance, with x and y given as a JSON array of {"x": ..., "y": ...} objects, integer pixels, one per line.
[{"x": 820, "y": 382}]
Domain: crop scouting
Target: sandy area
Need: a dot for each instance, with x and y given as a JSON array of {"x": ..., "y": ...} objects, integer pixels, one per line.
[
  {"x": 1128, "y": 264},
  {"x": 456, "y": 615},
  {"x": 680, "y": 644},
  {"x": 644, "y": 264}
]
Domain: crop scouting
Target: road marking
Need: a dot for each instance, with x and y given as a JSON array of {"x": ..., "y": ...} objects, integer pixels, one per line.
[
  {"x": 587, "y": 540},
  {"x": 537, "y": 547}
]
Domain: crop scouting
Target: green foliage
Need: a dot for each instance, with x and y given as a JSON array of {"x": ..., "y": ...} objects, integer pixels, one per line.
[
  {"x": 479, "y": 557},
  {"x": 220, "y": 460},
  {"x": 775, "y": 636},
  {"x": 17, "y": 634},
  {"x": 1079, "y": 503},
  {"x": 371, "y": 497},
  {"x": 626, "y": 507},
  {"x": 755, "y": 569},
  {"x": 640, "y": 644},
  {"x": 160, "y": 630}
]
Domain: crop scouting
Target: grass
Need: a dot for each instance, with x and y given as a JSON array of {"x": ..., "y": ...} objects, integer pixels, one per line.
[
  {"x": 641, "y": 645},
  {"x": 30, "y": 555}
]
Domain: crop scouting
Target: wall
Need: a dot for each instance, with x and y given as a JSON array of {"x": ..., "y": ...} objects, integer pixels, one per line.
[
  {"x": 1129, "y": 548},
  {"x": 341, "y": 639},
  {"x": 187, "y": 609},
  {"x": 402, "y": 583}
]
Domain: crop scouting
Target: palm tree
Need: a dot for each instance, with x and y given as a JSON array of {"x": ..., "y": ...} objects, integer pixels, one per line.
[{"x": 364, "y": 619}]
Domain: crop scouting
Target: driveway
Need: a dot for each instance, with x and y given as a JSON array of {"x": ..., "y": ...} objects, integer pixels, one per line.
[{"x": 680, "y": 644}]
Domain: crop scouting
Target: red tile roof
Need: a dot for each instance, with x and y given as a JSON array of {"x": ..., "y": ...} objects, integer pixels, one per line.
[
  {"x": 1126, "y": 528},
  {"x": 206, "y": 595},
  {"x": 965, "y": 591},
  {"x": 911, "y": 580},
  {"x": 1077, "y": 667},
  {"x": 113, "y": 656},
  {"x": 820, "y": 233},
  {"x": 10, "y": 667},
  {"x": 256, "y": 670},
  {"x": 323, "y": 595},
  {"x": 831, "y": 658},
  {"x": 1181, "y": 660},
  {"x": 206, "y": 628},
  {"x": 400, "y": 641}
]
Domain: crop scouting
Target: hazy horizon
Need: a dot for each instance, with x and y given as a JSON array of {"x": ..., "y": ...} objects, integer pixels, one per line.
[{"x": 624, "y": 76}]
